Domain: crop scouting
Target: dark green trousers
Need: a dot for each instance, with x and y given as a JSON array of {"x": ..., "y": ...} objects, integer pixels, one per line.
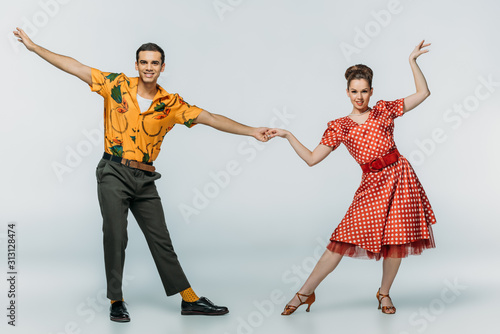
[{"x": 121, "y": 188}]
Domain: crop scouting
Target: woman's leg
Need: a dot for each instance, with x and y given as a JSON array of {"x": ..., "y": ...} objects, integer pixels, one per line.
[
  {"x": 326, "y": 264},
  {"x": 390, "y": 268}
]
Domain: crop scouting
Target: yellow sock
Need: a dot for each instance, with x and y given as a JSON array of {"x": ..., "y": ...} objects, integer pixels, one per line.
[
  {"x": 114, "y": 301},
  {"x": 188, "y": 295}
]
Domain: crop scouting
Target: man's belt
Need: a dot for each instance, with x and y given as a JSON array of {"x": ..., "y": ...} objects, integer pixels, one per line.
[
  {"x": 377, "y": 164},
  {"x": 146, "y": 166}
]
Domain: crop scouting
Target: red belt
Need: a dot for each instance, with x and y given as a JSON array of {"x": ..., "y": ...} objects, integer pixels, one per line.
[{"x": 377, "y": 164}]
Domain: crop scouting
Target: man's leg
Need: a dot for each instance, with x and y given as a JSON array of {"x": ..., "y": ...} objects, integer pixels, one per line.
[
  {"x": 114, "y": 199},
  {"x": 148, "y": 211}
]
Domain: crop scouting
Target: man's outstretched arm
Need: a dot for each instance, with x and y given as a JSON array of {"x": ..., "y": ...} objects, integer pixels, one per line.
[
  {"x": 67, "y": 64},
  {"x": 225, "y": 124}
]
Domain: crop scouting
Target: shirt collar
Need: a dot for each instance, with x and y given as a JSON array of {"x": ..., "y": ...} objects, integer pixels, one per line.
[{"x": 134, "y": 83}]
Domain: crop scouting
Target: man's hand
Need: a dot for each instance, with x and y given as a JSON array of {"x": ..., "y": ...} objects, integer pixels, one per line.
[
  {"x": 261, "y": 134},
  {"x": 67, "y": 64},
  {"x": 23, "y": 38}
]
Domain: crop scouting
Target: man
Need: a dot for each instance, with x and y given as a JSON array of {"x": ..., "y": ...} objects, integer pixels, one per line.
[{"x": 138, "y": 113}]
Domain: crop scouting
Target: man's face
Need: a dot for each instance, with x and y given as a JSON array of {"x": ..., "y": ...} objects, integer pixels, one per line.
[{"x": 149, "y": 66}]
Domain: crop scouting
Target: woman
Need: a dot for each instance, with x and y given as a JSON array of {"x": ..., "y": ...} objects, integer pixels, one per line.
[{"x": 390, "y": 216}]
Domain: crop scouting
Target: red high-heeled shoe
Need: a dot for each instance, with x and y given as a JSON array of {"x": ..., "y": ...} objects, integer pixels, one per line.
[
  {"x": 289, "y": 309},
  {"x": 385, "y": 309}
]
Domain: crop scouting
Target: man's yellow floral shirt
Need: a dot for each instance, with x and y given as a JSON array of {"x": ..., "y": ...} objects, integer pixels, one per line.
[{"x": 128, "y": 133}]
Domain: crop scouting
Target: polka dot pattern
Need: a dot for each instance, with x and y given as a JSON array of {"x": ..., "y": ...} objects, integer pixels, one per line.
[{"x": 390, "y": 207}]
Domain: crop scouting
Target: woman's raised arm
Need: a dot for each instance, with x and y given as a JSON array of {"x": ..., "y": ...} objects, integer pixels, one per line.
[{"x": 422, "y": 92}]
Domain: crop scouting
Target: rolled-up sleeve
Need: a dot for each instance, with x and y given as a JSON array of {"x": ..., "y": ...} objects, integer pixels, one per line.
[
  {"x": 184, "y": 112},
  {"x": 101, "y": 81}
]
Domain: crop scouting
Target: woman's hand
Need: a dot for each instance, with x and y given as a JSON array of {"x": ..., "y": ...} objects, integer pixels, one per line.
[
  {"x": 271, "y": 133},
  {"x": 419, "y": 50}
]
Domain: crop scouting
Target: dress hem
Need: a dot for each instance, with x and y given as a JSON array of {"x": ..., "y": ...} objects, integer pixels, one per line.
[{"x": 387, "y": 251}]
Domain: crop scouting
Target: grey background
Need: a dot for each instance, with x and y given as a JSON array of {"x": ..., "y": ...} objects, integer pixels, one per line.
[{"x": 260, "y": 234}]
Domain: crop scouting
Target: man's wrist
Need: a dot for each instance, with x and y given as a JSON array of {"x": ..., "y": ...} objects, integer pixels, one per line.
[
  {"x": 252, "y": 131},
  {"x": 35, "y": 48}
]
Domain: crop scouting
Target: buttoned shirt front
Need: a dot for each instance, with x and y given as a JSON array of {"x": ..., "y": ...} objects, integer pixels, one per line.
[{"x": 128, "y": 133}]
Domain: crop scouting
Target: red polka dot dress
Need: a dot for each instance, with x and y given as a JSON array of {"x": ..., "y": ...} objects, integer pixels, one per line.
[{"x": 390, "y": 215}]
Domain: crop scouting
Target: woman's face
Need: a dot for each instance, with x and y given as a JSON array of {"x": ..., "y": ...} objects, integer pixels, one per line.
[{"x": 359, "y": 92}]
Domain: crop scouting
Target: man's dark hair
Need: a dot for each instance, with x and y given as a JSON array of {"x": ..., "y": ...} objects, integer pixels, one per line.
[{"x": 150, "y": 47}]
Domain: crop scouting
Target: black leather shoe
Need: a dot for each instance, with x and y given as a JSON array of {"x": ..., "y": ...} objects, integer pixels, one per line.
[
  {"x": 202, "y": 306},
  {"x": 118, "y": 312}
]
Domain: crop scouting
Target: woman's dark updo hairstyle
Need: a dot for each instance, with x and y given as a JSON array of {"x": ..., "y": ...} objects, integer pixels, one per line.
[{"x": 359, "y": 71}]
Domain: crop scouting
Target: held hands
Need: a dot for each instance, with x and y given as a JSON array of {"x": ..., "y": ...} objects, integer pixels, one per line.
[
  {"x": 261, "y": 134},
  {"x": 22, "y": 37},
  {"x": 266, "y": 134},
  {"x": 271, "y": 133},
  {"x": 419, "y": 50}
]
